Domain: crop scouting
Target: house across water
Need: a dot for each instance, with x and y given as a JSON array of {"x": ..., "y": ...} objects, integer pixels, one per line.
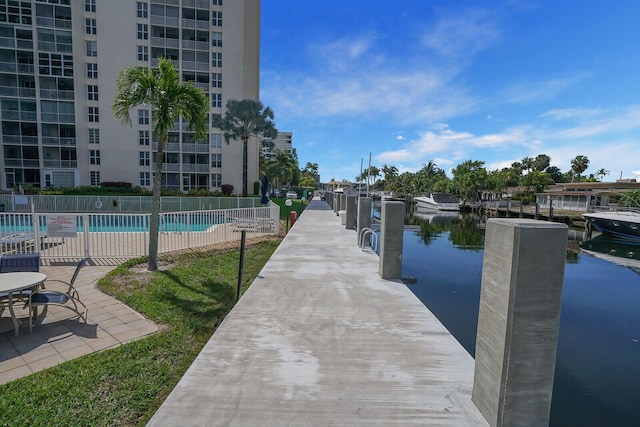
[{"x": 586, "y": 196}]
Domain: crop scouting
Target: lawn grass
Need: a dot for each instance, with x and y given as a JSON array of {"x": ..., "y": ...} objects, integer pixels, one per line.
[{"x": 126, "y": 385}]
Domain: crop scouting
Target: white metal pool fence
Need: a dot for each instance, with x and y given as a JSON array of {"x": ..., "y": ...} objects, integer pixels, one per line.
[
  {"x": 57, "y": 235},
  {"x": 107, "y": 203}
]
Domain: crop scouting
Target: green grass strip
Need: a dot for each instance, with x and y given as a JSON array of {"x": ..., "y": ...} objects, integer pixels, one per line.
[{"x": 124, "y": 386}]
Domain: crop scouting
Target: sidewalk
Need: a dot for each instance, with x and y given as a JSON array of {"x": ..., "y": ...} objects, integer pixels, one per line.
[
  {"x": 61, "y": 336},
  {"x": 320, "y": 339}
]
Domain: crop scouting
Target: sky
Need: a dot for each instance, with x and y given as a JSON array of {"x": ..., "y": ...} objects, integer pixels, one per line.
[{"x": 411, "y": 81}]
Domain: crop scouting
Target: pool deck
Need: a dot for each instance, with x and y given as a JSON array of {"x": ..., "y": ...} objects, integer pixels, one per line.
[
  {"x": 320, "y": 339},
  {"x": 60, "y": 337}
]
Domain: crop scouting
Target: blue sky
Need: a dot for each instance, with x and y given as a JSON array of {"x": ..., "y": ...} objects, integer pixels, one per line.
[{"x": 418, "y": 80}]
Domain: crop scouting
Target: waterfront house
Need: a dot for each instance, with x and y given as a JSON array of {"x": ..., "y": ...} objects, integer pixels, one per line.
[{"x": 586, "y": 196}]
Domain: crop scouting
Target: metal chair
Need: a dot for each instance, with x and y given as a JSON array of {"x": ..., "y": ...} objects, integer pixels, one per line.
[
  {"x": 10, "y": 263},
  {"x": 50, "y": 297}
]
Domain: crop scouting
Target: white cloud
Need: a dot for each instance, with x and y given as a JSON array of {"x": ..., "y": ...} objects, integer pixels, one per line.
[
  {"x": 523, "y": 92},
  {"x": 464, "y": 34},
  {"x": 572, "y": 113},
  {"x": 619, "y": 121}
]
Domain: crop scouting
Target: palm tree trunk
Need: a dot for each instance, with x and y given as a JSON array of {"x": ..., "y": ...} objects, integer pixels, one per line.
[
  {"x": 245, "y": 164},
  {"x": 154, "y": 226}
]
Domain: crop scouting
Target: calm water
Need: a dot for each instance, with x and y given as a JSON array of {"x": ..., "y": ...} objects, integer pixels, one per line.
[{"x": 597, "y": 381}]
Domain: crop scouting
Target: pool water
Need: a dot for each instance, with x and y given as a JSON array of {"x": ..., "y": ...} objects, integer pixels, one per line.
[{"x": 118, "y": 223}]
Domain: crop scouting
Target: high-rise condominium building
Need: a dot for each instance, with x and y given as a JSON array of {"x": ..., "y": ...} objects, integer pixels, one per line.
[
  {"x": 270, "y": 146},
  {"x": 59, "y": 60}
]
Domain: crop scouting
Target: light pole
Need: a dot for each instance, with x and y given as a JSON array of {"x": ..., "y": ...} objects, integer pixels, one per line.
[{"x": 288, "y": 202}]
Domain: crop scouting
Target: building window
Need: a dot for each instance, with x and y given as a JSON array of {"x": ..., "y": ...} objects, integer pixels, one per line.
[
  {"x": 143, "y": 32},
  {"x": 143, "y": 137},
  {"x": 143, "y": 157},
  {"x": 94, "y": 157},
  {"x": 92, "y": 48},
  {"x": 216, "y": 140},
  {"x": 143, "y": 53},
  {"x": 89, "y": 5},
  {"x": 216, "y": 100},
  {"x": 143, "y": 117},
  {"x": 92, "y": 93},
  {"x": 92, "y": 71},
  {"x": 216, "y": 160},
  {"x": 94, "y": 136},
  {"x": 216, "y": 59},
  {"x": 54, "y": 64},
  {"x": 216, "y": 79},
  {"x": 216, "y": 39},
  {"x": 216, "y": 19},
  {"x": 94, "y": 116},
  {"x": 217, "y": 2},
  {"x": 143, "y": 10},
  {"x": 90, "y": 26},
  {"x": 95, "y": 178},
  {"x": 216, "y": 180},
  {"x": 145, "y": 179}
]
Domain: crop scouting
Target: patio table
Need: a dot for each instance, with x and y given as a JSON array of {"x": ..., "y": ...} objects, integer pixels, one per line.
[{"x": 10, "y": 282}]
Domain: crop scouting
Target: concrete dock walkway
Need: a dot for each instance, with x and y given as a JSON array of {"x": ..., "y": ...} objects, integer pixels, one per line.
[{"x": 320, "y": 339}]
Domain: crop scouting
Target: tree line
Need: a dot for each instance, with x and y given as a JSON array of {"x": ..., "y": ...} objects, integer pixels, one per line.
[{"x": 471, "y": 178}]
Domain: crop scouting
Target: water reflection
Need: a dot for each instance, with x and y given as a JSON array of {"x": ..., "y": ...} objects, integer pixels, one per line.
[
  {"x": 597, "y": 379},
  {"x": 463, "y": 229}
]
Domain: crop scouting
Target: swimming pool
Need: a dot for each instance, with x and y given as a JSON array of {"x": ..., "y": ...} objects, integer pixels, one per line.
[{"x": 174, "y": 222}]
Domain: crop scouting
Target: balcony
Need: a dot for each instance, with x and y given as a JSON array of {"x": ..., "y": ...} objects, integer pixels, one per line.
[
  {"x": 22, "y": 163},
  {"x": 53, "y": 22},
  {"x": 16, "y": 43},
  {"x": 170, "y": 167},
  {"x": 195, "y": 66},
  {"x": 195, "y": 23},
  {"x": 195, "y": 168},
  {"x": 29, "y": 116},
  {"x": 195, "y": 148},
  {"x": 192, "y": 44},
  {"x": 55, "y": 47},
  {"x": 19, "y": 139},
  {"x": 18, "y": 91},
  {"x": 54, "y": 140},
  {"x": 165, "y": 42},
  {"x": 56, "y": 94},
  {"x": 58, "y": 118},
  {"x": 57, "y": 163},
  {"x": 165, "y": 21}
]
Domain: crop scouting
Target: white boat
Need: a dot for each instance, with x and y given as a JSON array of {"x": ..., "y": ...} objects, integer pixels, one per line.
[
  {"x": 619, "y": 224},
  {"x": 439, "y": 201},
  {"x": 435, "y": 216}
]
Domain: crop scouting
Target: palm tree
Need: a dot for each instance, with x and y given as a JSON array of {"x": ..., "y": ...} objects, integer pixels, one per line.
[
  {"x": 579, "y": 165},
  {"x": 169, "y": 98},
  {"x": 602, "y": 173},
  {"x": 242, "y": 120}
]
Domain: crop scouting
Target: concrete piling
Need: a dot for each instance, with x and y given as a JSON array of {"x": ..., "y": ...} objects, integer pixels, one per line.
[
  {"x": 391, "y": 236},
  {"x": 351, "y": 213},
  {"x": 521, "y": 293},
  {"x": 364, "y": 215}
]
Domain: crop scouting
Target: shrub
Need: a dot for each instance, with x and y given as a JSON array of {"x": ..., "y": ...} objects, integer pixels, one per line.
[
  {"x": 227, "y": 189},
  {"x": 256, "y": 188},
  {"x": 117, "y": 184}
]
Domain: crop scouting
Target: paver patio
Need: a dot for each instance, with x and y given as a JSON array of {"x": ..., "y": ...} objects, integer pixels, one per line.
[{"x": 61, "y": 336}]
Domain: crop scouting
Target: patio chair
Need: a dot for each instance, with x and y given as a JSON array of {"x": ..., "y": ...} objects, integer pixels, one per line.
[
  {"x": 47, "y": 297},
  {"x": 18, "y": 262}
]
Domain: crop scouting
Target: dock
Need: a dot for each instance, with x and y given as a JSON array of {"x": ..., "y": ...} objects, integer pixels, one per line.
[{"x": 320, "y": 339}]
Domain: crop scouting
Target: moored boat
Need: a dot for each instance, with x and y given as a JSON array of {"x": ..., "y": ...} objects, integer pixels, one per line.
[
  {"x": 439, "y": 201},
  {"x": 619, "y": 224}
]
